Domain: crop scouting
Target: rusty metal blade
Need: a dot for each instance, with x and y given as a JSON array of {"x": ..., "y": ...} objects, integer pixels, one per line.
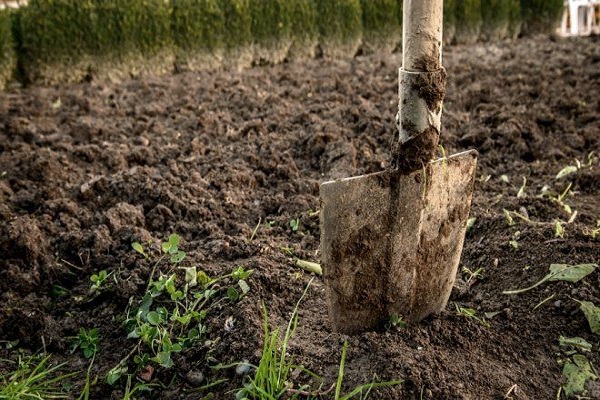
[{"x": 391, "y": 243}]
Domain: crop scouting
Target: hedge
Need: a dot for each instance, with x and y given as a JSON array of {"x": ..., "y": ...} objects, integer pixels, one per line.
[
  {"x": 381, "y": 26},
  {"x": 270, "y": 30},
  {"x": 198, "y": 32},
  {"x": 468, "y": 20},
  {"x": 449, "y": 20},
  {"x": 303, "y": 28},
  {"x": 540, "y": 15},
  {"x": 340, "y": 27},
  {"x": 8, "y": 59},
  {"x": 66, "y": 40}
]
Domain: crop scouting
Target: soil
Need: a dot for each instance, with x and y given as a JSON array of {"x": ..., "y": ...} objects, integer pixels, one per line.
[{"x": 87, "y": 169}]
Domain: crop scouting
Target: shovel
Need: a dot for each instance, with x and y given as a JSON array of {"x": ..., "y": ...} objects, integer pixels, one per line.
[{"x": 391, "y": 241}]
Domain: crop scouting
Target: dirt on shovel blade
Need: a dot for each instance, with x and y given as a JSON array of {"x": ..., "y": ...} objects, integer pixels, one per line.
[{"x": 87, "y": 169}]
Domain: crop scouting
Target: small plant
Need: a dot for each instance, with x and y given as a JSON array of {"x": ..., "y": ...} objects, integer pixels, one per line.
[
  {"x": 592, "y": 314},
  {"x": 98, "y": 280},
  {"x": 169, "y": 317},
  {"x": 295, "y": 224},
  {"x": 514, "y": 241},
  {"x": 395, "y": 321},
  {"x": 472, "y": 276},
  {"x": 560, "y": 272},
  {"x": 521, "y": 193},
  {"x": 34, "y": 379},
  {"x": 87, "y": 341},
  {"x": 559, "y": 231},
  {"x": 272, "y": 377},
  {"x": 470, "y": 313}
]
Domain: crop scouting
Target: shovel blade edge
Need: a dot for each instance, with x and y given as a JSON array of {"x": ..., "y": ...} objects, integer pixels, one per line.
[{"x": 391, "y": 243}]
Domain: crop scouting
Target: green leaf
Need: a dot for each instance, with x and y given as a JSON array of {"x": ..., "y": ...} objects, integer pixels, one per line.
[
  {"x": 177, "y": 257},
  {"x": 309, "y": 266},
  {"x": 575, "y": 342},
  {"x": 166, "y": 247},
  {"x": 560, "y": 272},
  {"x": 115, "y": 374},
  {"x": 566, "y": 171},
  {"x": 240, "y": 273},
  {"x": 592, "y": 313},
  {"x": 154, "y": 318},
  {"x": 138, "y": 247},
  {"x": 203, "y": 278},
  {"x": 191, "y": 276},
  {"x": 577, "y": 374},
  {"x": 174, "y": 240},
  {"x": 233, "y": 294},
  {"x": 570, "y": 273},
  {"x": 164, "y": 359},
  {"x": 243, "y": 286}
]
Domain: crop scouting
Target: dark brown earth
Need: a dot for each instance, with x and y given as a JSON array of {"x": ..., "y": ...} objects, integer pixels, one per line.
[{"x": 87, "y": 169}]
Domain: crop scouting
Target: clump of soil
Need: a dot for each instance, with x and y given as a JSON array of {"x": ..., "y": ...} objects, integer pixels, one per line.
[{"x": 88, "y": 169}]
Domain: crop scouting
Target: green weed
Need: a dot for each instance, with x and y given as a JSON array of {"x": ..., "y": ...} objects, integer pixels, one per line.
[
  {"x": 471, "y": 313},
  {"x": 169, "y": 317},
  {"x": 87, "y": 341},
  {"x": 34, "y": 380},
  {"x": 560, "y": 272}
]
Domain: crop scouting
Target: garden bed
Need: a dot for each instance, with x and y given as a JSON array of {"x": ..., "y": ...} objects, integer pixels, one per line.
[{"x": 232, "y": 162}]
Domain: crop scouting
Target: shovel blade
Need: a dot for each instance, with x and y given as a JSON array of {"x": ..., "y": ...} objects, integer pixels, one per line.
[{"x": 391, "y": 243}]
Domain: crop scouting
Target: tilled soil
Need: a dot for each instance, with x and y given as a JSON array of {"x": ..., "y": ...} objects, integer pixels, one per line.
[{"x": 88, "y": 169}]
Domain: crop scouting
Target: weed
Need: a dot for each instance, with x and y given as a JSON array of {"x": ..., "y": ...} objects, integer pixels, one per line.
[
  {"x": 270, "y": 380},
  {"x": 169, "y": 317},
  {"x": 308, "y": 266},
  {"x": 295, "y": 224},
  {"x": 593, "y": 232},
  {"x": 471, "y": 276},
  {"x": 98, "y": 280},
  {"x": 592, "y": 314},
  {"x": 34, "y": 380},
  {"x": 560, "y": 272},
  {"x": 509, "y": 219},
  {"x": 87, "y": 341},
  {"x": 521, "y": 193},
  {"x": 577, "y": 372},
  {"x": 559, "y": 231},
  {"x": 395, "y": 321},
  {"x": 471, "y": 223},
  {"x": 272, "y": 376},
  {"x": 514, "y": 241},
  {"x": 470, "y": 313},
  {"x": 255, "y": 231}
]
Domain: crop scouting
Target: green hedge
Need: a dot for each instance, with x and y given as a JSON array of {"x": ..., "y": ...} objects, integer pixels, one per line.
[
  {"x": 340, "y": 27},
  {"x": 540, "y": 15},
  {"x": 63, "y": 40},
  {"x": 66, "y": 39},
  {"x": 128, "y": 28},
  {"x": 449, "y": 20},
  {"x": 55, "y": 33},
  {"x": 468, "y": 20},
  {"x": 270, "y": 29},
  {"x": 382, "y": 29},
  {"x": 515, "y": 22},
  {"x": 8, "y": 59},
  {"x": 303, "y": 28},
  {"x": 198, "y": 31}
]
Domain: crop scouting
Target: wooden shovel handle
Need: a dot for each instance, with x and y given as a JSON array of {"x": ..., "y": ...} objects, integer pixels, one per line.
[{"x": 422, "y": 27}]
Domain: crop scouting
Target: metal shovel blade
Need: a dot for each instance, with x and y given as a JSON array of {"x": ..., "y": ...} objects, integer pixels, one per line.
[{"x": 391, "y": 243}]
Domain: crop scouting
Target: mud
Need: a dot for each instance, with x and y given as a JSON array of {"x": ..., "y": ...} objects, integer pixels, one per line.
[{"x": 87, "y": 169}]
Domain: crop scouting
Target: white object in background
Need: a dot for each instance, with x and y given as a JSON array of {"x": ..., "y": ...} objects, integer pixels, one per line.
[{"x": 580, "y": 18}]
